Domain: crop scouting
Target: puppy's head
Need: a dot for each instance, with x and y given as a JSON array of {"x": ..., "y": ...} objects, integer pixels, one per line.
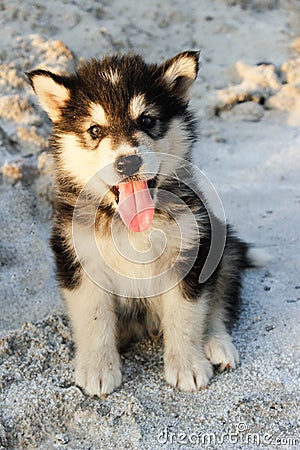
[{"x": 115, "y": 120}]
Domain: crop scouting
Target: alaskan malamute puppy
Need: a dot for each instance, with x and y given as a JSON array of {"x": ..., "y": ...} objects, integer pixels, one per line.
[{"x": 132, "y": 233}]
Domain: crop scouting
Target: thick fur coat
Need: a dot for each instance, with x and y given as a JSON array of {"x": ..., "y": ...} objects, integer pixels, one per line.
[{"x": 130, "y": 263}]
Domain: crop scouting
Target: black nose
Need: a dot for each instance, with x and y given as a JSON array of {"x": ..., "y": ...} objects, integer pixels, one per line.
[{"x": 128, "y": 165}]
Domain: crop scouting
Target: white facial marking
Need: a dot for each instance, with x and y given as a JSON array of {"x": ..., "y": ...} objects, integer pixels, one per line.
[
  {"x": 98, "y": 114},
  {"x": 112, "y": 75},
  {"x": 85, "y": 165},
  {"x": 137, "y": 106}
]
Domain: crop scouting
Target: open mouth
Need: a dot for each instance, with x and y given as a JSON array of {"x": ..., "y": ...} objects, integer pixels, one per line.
[
  {"x": 135, "y": 203},
  {"x": 151, "y": 183}
]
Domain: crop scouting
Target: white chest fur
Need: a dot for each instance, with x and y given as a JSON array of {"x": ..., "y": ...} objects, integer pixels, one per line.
[{"x": 131, "y": 264}]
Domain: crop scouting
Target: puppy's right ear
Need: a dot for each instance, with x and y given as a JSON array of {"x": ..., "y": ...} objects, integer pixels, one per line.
[
  {"x": 180, "y": 73},
  {"x": 51, "y": 91}
]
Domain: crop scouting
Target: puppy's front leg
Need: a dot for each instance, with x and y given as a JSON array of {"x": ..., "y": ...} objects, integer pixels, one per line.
[
  {"x": 97, "y": 363},
  {"x": 183, "y": 323}
]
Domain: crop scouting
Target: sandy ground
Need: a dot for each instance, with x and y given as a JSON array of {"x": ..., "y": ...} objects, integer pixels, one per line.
[{"x": 249, "y": 147}]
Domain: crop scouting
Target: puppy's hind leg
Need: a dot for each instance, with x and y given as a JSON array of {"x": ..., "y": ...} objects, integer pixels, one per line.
[
  {"x": 218, "y": 346},
  {"x": 97, "y": 363}
]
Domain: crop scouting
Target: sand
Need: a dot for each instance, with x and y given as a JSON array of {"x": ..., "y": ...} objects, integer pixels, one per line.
[{"x": 247, "y": 98}]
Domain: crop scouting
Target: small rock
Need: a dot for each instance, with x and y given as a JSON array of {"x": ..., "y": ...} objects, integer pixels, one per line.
[
  {"x": 292, "y": 70},
  {"x": 268, "y": 274},
  {"x": 7, "y": 141},
  {"x": 10, "y": 79},
  {"x": 17, "y": 108},
  {"x": 285, "y": 99},
  {"x": 20, "y": 169},
  {"x": 45, "y": 164},
  {"x": 72, "y": 19},
  {"x": 258, "y": 84},
  {"x": 11, "y": 172},
  {"x": 62, "y": 439},
  {"x": 261, "y": 76},
  {"x": 52, "y": 53},
  {"x": 246, "y": 111},
  {"x": 256, "y": 5},
  {"x": 29, "y": 140}
]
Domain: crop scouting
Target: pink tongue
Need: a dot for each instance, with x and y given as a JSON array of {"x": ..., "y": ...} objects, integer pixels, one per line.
[{"x": 136, "y": 206}]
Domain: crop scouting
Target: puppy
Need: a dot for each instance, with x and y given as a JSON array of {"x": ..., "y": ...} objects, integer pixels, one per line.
[{"x": 133, "y": 232}]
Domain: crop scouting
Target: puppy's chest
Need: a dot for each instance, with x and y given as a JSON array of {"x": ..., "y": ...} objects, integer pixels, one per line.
[{"x": 144, "y": 254}]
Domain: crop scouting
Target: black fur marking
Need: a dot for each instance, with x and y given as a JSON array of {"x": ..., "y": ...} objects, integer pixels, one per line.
[
  {"x": 134, "y": 312},
  {"x": 68, "y": 268},
  {"x": 234, "y": 262}
]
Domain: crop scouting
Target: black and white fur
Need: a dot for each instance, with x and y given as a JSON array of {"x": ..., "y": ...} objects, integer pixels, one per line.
[{"x": 108, "y": 109}]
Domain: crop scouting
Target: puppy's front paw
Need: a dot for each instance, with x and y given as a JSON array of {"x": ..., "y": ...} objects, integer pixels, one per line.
[
  {"x": 188, "y": 375},
  {"x": 221, "y": 352},
  {"x": 98, "y": 376}
]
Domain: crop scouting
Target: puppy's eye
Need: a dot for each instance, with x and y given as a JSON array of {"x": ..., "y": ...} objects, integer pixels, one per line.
[
  {"x": 95, "y": 131},
  {"x": 147, "y": 122}
]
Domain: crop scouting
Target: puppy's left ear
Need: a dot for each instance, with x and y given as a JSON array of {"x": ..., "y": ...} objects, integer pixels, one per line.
[
  {"x": 180, "y": 73},
  {"x": 51, "y": 91}
]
